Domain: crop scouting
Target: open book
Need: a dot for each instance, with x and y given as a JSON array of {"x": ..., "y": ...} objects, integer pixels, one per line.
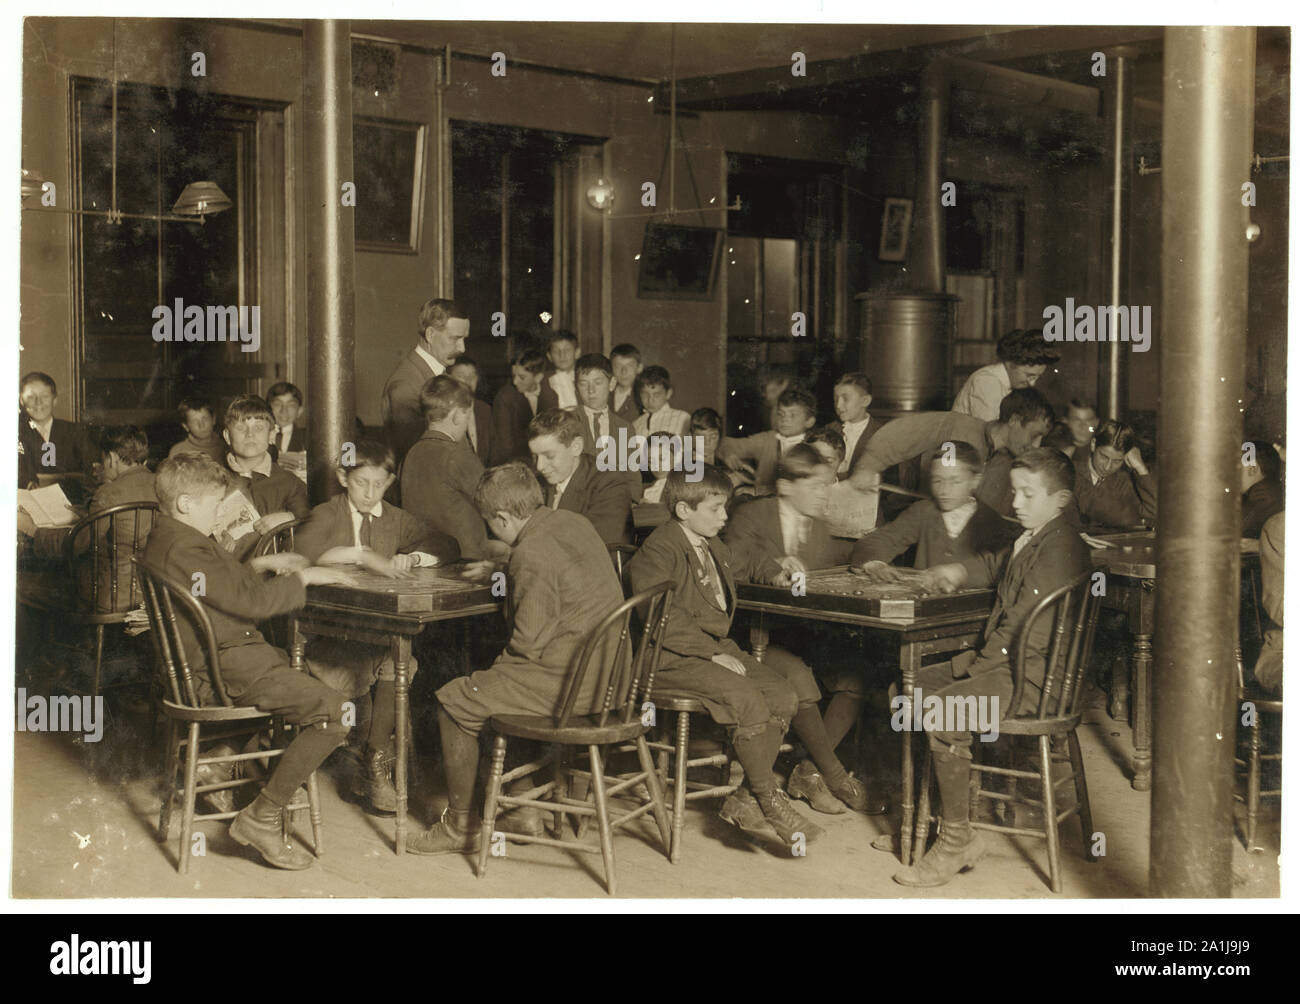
[
  {"x": 234, "y": 521},
  {"x": 47, "y": 506}
]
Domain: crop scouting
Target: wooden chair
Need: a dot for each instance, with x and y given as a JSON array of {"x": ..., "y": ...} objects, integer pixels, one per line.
[
  {"x": 103, "y": 588},
  {"x": 1071, "y": 614},
  {"x": 1253, "y": 759},
  {"x": 621, "y": 554},
  {"x": 277, "y": 540},
  {"x": 621, "y": 686},
  {"x": 190, "y": 721}
]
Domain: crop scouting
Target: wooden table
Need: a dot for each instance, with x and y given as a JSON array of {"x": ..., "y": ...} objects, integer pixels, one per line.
[
  {"x": 937, "y": 625},
  {"x": 1130, "y": 567},
  {"x": 390, "y": 612}
]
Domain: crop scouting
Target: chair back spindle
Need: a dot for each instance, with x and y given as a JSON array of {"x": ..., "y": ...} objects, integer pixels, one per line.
[{"x": 1068, "y": 616}]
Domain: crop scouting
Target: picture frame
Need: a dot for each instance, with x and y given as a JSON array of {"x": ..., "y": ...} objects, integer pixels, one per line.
[
  {"x": 895, "y": 229},
  {"x": 679, "y": 262},
  {"x": 390, "y": 184}
]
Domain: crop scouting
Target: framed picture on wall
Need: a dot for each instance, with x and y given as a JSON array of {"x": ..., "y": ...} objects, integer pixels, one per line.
[
  {"x": 895, "y": 228},
  {"x": 388, "y": 165}
]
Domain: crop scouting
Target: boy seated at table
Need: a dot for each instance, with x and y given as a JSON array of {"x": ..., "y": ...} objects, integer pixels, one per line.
[
  {"x": 560, "y": 585},
  {"x": 654, "y": 387},
  {"x": 199, "y": 420},
  {"x": 288, "y": 439},
  {"x": 236, "y": 596},
  {"x": 1261, "y": 486},
  {"x": 754, "y": 701},
  {"x": 440, "y": 471},
  {"x": 774, "y": 539},
  {"x": 796, "y": 413},
  {"x": 357, "y": 527},
  {"x": 1113, "y": 489},
  {"x": 953, "y": 525},
  {"x": 711, "y": 443},
  {"x": 573, "y": 481},
  {"x": 126, "y": 480},
  {"x": 479, "y": 432},
  {"x": 625, "y": 359},
  {"x": 48, "y": 445},
  {"x": 600, "y": 422},
  {"x": 515, "y": 405},
  {"x": 663, "y": 451},
  {"x": 1048, "y": 554},
  {"x": 277, "y": 495},
  {"x": 852, "y": 398}
]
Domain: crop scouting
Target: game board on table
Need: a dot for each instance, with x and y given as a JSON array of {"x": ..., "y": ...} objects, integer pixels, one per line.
[
  {"x": 843, "y": 591},
  {"x": 426, "y": 589}
]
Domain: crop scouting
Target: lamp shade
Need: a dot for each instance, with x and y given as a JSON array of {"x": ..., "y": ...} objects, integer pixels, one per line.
[
  {"x": 201, "y": 198},
  {"x": 600, "y": 194}
]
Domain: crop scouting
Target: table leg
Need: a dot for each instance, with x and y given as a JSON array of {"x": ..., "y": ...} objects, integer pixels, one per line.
[
  {"x": 1142, "y": 712},
  {"x": 401, "y": 648},
  {"x": 908, "y": 661},
  {"x": 758, "y": 637}
]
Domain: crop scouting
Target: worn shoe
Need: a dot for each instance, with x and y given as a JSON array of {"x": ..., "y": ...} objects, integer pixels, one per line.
[
  {"x": 741, "y": 810},
  {"x": 374, "y": 784},
  {"x": 525, "y": 821},
  {"x": 444, "y": 838},
  {"x": 259, "y": 827},
  {"x": 217, "y": 773},
  {"x": 806, "y": 782},
  {"x": 857, "y": 797},
  {"x": 958, "y": 848},
  {"x": 788, "y": 824}
]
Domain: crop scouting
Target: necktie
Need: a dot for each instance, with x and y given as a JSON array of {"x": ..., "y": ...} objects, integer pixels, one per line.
[
  {"x": 286, "y": 436},
  {"x": 711, "y": 576},
  {"x": 555, "y": 497},
  {"x": 364, "y": 536},
  {"x": 1021, "y": 541},
  {"x": 472, "y": 433}
]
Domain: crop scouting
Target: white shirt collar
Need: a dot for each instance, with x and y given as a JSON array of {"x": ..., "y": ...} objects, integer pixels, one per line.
[
  {"x": 563, "y": 486},
  {"x": 789, "y": 441},
  {"x": 955, "y": 520},
  {"x": 44, "y": 428},
  {"x": 794, "y": 526},
  {"x": 438, "y": 368},
  {"x": 262, "y": 467},
  {"x": 852, "y": 433},
  {"x": 377, "y": 511}
]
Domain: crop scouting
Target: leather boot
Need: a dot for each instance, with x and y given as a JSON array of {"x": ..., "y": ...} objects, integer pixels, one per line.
[
  {"x": 956, "y": 850},
  {"x": 742, "y": 811},
  {"x": 807, "y": 782},
  {"x": 375, "y": 784},
  {"x": 259, "y": 827},
  {"x": 443, "y": 837},
  {"x": 778, "y": 811}
]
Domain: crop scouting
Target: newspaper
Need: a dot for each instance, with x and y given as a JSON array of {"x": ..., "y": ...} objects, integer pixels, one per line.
[{"x": 234, "y": 521}]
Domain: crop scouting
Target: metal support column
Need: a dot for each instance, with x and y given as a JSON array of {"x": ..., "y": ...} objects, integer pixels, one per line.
[{"x": 1113, "y": 385}]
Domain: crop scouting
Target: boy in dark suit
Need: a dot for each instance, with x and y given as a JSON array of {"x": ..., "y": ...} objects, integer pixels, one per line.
[
  {"x": 1113, "y": 489},
  {"x": 852, "y": 398},
  {"x": 277, "y": 495},
  {"x": 479, "y": 432},
  {"x": 953, "y": 526},
  {"x": 562, "y": 352},
  {"x": 654, "y": 388},
  {"x": 358, "y": 528},
  {"x": 595, "y": 378},
  {"x": 1047, "y": 555},
  {"x": 773, "y": 540},
  {"x": 561, "y": 583},
  {"x": 237, "y": 596},
  {"x": 516, "y": 404},
  {"x": 796, "y": 413},
  {"x": 1261, "y": 487},
  {"x": 755, "y": 701},
  {"x": 126, "y": 480},
  {"x": 288, "y": 439},
  {"x": 441, "y": 472},
  {"x": 48, "y": 445},
  {"x": 572, "y": 479},
  {"x": 625, "y": 361}
]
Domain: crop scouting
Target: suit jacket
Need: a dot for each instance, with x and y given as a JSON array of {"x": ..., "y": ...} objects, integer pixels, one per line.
[
  {"x": 400, "y": 405},
  {"x": 395, "y": 531},
  {"x": 297, "y": 441},
  {"x": 561, "y": 584},
  {"x": 483, "y": 430},
  {"x": 279, "y": 491},
  {"x": 601, "y": 496},
  {"x": 1272, "y": 562},
  {"x": 697, "y": 626},
  {"x": 922, "y": 524},
  {"x": 873, "y": 426},
  {"x": 439, "y": 477},
  {"x": 995, "y": 489},
  {"x": 547, "y": 399},
  {"x": 631, "y": 407},
  {"x": 1262, "y": 500},
  {"x": 1054, "y": 556},
  {"x": 1117, "y": 502},
  {"x": 753, "y": 534},
  {"x": 616, "y": 422},
  {"x": 73, "y": 452},
  {"x": 511, "y": 414}
]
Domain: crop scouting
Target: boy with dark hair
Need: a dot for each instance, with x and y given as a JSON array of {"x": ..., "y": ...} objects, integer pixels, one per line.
[
  {"x": 199, "y": 420},
  {"x": 754, "y": 701},
  {"x": 953, "y": 525},
  {"x": 1081, "y": 420},
  {"x": 625, "y": 359},
  {"x": 479, "y": 431},
  {"x": 48, "y": 445},
  {"x": 561, "y": 584},
  {"x": 595, "y": 376},
  {"x": 288, "y": 440},
  {"x": 1047, "y": 555},
  {"x": 1023, "y": 356},
  {"x": 773, "y": 539},
  {"x": 655, "y": 389},
  {"x": 516, "y": 403},
  {"x": 126, "y": 479},
  {"x": 572, "y": 480},
  {"x": 852, "y": 398},
  {"x": 1261, "y": 487},
  {"x": 441, "y": 471},
  {"x": 277, "y": 495},
  {"x": 1113, "y": 489},
  {"x": 796, "y": 413},
  {"x": 236, "y": 596},
  {"x": 562, "y": 351},
  {"x": 356, "y": 527}
]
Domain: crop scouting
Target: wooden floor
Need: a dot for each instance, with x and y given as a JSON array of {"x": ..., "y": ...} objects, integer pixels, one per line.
[{"x": 84, "y": 818}]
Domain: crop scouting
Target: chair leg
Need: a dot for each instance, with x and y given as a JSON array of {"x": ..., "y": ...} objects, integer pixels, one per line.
[
  {"x": 490, "y": 801},
  {"x": 679, "y": 785},
  {"x": 1081, "y": 796},
  {"x": 187, "y": 811},
  {"x": 922, "y": 822},
  {"x": 1049, "y": 812},
  {"x": 99, "y": 660},
  {"x": 313, "y": 800},
  {"x": 1254, "y": 768},
  {"x": 975, "y": 779},
  {"x": 563, "y": 784},
  {"x": 169, "y": 781},
  {"x": 602, "y": 816},
  {"x": 656, "y": 794}
]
